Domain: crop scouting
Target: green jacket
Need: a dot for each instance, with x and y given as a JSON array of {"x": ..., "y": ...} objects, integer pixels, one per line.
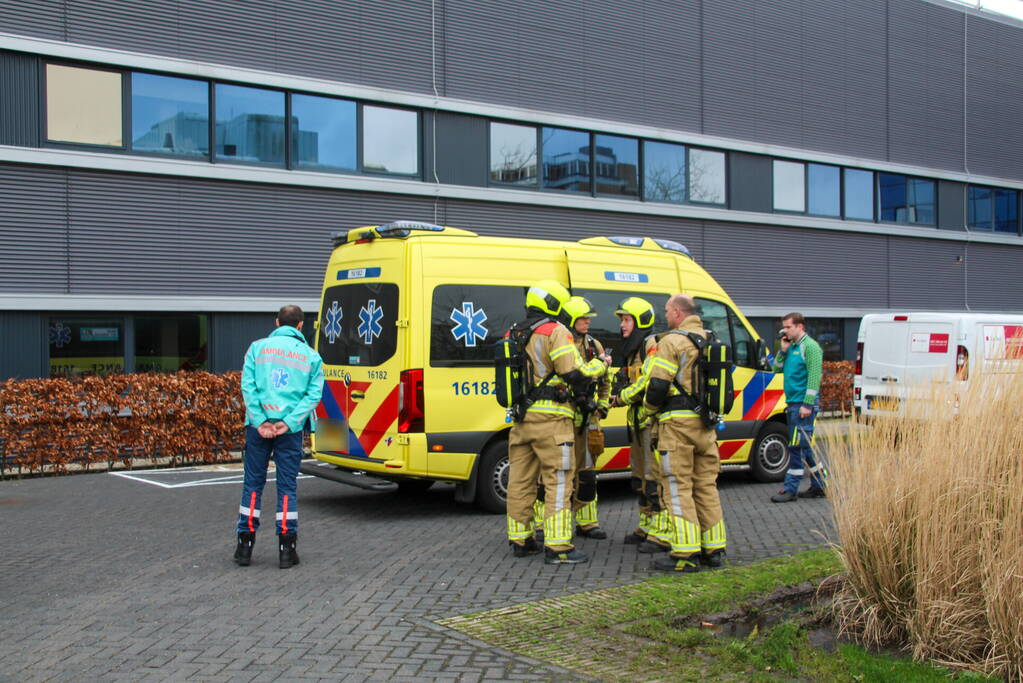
[
  {"x": 802, "y": 365},
  {"x": 282, "y": 379}
]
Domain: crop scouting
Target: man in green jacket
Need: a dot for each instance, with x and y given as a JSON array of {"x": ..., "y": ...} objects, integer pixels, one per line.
[
  {"x": 801, "y": 359},
  {"x": 282, "y": 381}
]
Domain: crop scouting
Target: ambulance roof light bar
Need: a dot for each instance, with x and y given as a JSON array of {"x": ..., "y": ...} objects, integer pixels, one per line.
[
  {"x": 667, "y": 245},
  {"x": 396, "y": 229}
]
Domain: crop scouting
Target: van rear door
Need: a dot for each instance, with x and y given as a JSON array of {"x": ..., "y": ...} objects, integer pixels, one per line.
[{"x": 931, "y": 354}]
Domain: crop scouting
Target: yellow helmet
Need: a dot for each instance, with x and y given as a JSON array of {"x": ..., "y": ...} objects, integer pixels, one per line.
[
  {"x": 547, "y": 296},
  {"x": 576, "y": 307},
  {"x": 640, "y": 310}
]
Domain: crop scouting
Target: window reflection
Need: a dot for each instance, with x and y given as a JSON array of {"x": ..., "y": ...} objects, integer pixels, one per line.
[
  {"x": 323, "y": 132},
  {"x": 170, "y": 115},
  {"x": 859, "y": 194},
  {"x": 789, "y": 186},
  {"x": 512, "y": 154},
  {"x": 1007, "y": 211},
  {"x": 904, "y": 199},
  {"x": 706, "y": 176},
  {"x": 168, "y": 343},
  {"x": 250, "y": 124},
  {"x": 566, "y": 160},
  {"x": 390, "y": 140},
  {"x": 83, "y": 105},
  {"x": 616, "y": 165},
  {"x": 86, "y": 346},
  {"x": 664, "y": 172},
  {"x": 823, "y": 190},
  {"x": 993, "y": 209}
]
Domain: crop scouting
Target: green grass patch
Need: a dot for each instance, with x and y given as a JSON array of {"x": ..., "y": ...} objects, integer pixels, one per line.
[{"x": 632, "y": 632}]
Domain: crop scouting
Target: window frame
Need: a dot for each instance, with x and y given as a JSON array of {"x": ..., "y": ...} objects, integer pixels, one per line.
[
  {"x": 992, "y": 201},
  {"x": 221, "y": 159},
  {"x": 689, "y": 190},
  {"x": 210, "y": 124},
  {"x": 873, "y": 189},
  {"x": 292, "y": 150},
  {"x": 541, "y": 171},
  {"x": 360, "y": 127},
  {"x": 43, "y": 102},
  {"x": 537, "y": 128},
  {"x": 806, "y": 190},
  {"x": 906, "y": 177},
  {"x": 643, "y": 171},
  {"x": 841, "y": 195}
]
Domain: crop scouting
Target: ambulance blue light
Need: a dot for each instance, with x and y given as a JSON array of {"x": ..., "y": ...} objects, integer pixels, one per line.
[
  {"x": 627, "y": 241},
  {"x": 403, "y": 228},
  {"x": 672, "y": 245}
]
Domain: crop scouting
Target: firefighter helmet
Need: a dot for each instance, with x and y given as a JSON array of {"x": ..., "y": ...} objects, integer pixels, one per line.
[
  {"x": 640, "y": 310},
  {"x": 576, "y": 307},
  {"x": 547, "y": 296}
]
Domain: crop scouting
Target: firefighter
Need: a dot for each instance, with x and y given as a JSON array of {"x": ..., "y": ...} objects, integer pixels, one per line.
[
  {"x": 685, "y": 446},
  {"x": 589, "y": 445},
  {"x": 637, "y": 317},
  {"x": 542, "y": 445}
]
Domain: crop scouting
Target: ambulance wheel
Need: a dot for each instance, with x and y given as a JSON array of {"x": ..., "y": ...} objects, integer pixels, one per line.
[
  {"x": 492, "y": 478},
  {"x": 770, "y": 455},
  {"x": 414, "y": 486}
]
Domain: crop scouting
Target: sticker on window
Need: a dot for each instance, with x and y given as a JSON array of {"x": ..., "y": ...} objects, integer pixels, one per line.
[
  {"x": 332, "y": 322},
  {"x": 369, "y": 321},
  {"x": 468, "y": 325}
]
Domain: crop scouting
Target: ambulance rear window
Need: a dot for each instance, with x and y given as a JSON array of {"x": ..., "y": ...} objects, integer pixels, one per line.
[
  {"x": 466, "y": 320},
  {"x": 357, "y": 324}
]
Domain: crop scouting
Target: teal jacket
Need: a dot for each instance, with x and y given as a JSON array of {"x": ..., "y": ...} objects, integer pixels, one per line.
[
  {"x": 282, "y": 379},
  {"x": 802, "y": 365}
]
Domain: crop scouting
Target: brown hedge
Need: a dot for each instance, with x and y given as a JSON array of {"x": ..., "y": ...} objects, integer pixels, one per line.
[
  {"x": 837, "y": 386},
  {"x": 173, "y": 419}
]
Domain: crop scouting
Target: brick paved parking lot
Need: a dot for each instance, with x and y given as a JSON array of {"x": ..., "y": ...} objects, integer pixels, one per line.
[{"x": 115, "y": 578}]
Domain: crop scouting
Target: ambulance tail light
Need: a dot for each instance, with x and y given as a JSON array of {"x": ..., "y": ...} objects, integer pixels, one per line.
[
  {"x": 411, "y": 406},
  {"x": 962, "y": 363},
  {"x": 859, "y": 358}
]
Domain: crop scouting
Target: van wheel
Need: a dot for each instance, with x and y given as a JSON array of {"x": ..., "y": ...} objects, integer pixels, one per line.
[
  {"x": 769, "y": 458},
  {"x": 414, "y": 486},
  {"x": 492, "y": 478}
]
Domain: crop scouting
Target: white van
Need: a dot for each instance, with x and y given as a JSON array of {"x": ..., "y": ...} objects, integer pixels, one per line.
[{"x": 902, "y": 350}]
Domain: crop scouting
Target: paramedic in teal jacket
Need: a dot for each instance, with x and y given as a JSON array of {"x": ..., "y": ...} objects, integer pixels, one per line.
[
  {"x": 801, "y": 359},
  {"x": 282, "y": 381}
]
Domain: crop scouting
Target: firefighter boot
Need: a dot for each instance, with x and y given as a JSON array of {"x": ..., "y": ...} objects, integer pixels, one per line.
[
  {"x": 564, "y": 556},
  {"x": 714, "y": 560},
  {"x": 243, "y": 553},
  {"x": 678, "y": 564},
  {"x": 529, "y": 547},
  {"x": 286, "y": 545}
]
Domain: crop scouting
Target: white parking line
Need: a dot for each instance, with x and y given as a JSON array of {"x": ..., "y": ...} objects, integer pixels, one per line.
[{"x": 213, "y": 481}]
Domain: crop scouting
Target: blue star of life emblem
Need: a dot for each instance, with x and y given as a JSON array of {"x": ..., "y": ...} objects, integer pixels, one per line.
[
  {"x": 332, "y": 325},
  {"x": 60, "y": 335},
  {"x": 279, "y": 378},
  {"x": 468, "y": 324},
  {"x": 369, "y": 321}
]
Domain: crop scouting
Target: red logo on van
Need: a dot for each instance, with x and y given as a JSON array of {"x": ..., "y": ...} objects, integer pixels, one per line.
[{"x": 938, "y": 343}]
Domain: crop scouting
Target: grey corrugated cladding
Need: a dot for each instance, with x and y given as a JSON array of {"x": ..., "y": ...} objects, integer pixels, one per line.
[
  {"x": 879, "y": 79},
  {"x": 19, "y": 104},
  {"x": 231, "y": 334},
  {"x": 924, "y": 274},
  {"x": 462, "y": 144},
  {"x": 33, "y": 229},
  {"x": 24, "y": 344}
]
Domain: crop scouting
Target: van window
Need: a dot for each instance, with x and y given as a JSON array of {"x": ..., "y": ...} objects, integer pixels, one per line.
[
  {"x": 605, "y": 325},
  {"x": 466, "y": 320},
  {"x": 723, "y": 321},
  {"x": 357, "y": 324}
]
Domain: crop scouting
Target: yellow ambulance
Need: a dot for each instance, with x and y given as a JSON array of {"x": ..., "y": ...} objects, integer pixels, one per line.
[{"x": 410, "y": 312}]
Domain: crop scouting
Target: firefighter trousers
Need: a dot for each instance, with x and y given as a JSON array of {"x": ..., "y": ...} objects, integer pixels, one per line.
[
  {"x": 645, "y": 483},
  {"x": 690, "y": 463},
  {"x": 541, "y": 448},
  {"x": 584, "y": 499}
]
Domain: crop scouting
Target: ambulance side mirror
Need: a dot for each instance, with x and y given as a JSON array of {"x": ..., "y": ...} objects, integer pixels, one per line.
[{"x": 763, "y": 355}]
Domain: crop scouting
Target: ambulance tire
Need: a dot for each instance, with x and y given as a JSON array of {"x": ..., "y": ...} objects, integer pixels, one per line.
[
  {"x": 413, "y": 487},
  {"x": 769, "y": 459},
  {"x": 492, "y": 478}
]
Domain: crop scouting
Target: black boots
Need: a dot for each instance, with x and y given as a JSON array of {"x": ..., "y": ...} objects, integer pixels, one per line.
[
  {"x": 530, "y": 547},
  {"x": 288, "y": 555},
  {"x": 243, "y": 553}
]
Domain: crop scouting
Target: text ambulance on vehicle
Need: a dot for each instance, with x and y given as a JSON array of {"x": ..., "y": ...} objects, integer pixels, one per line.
[
  {"x": 409, "y": 317},
  {"x": 898, "y": 354}
]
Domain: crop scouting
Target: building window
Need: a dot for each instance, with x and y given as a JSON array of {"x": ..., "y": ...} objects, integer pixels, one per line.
[
  {"x": 86, "y": 346},
  {"x": 859, "y": 194},
  {"x": 664, "y": 172},
  {"x": 823, "y": 185},
  {"x": 84, "y": 106},
  {"x": 390, "y": 140},
  {"x": 993, "y": 209},
  {"x": 323, "y": 132},
  {"x": 789, "y": 186},
  {"x": 616, "y": 165},
  {"x": 706, "y": 176},
  {"x": 566, "y": 160},
  {"x": 828, "y": 332},
  {"x": 168, "y": 343},
  {"x": 904, "y": 199},
  {"x": 513, "y": 154},
  {"x": 250, "y": 124},
  {"x": 170, "y": 115}
]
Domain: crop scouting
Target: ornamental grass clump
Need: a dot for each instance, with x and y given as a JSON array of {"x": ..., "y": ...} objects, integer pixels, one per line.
[{"x": 929, "y": 514}]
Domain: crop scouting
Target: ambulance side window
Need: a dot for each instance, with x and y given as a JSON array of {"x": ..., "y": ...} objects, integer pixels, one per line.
[
  {"x": 714, "y": 316},
  {"x": 466, "y": 320},
  {"x": 357, "y": 324},
  {"x": 725, "y": 324},
  {"x": 744, "y": 347}
]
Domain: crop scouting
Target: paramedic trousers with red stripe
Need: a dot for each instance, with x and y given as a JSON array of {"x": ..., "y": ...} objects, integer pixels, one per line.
[{"x": 287, "y": 454}]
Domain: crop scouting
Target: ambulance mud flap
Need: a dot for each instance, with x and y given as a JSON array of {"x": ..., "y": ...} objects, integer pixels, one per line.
[{"x": 357, "y": 479}]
